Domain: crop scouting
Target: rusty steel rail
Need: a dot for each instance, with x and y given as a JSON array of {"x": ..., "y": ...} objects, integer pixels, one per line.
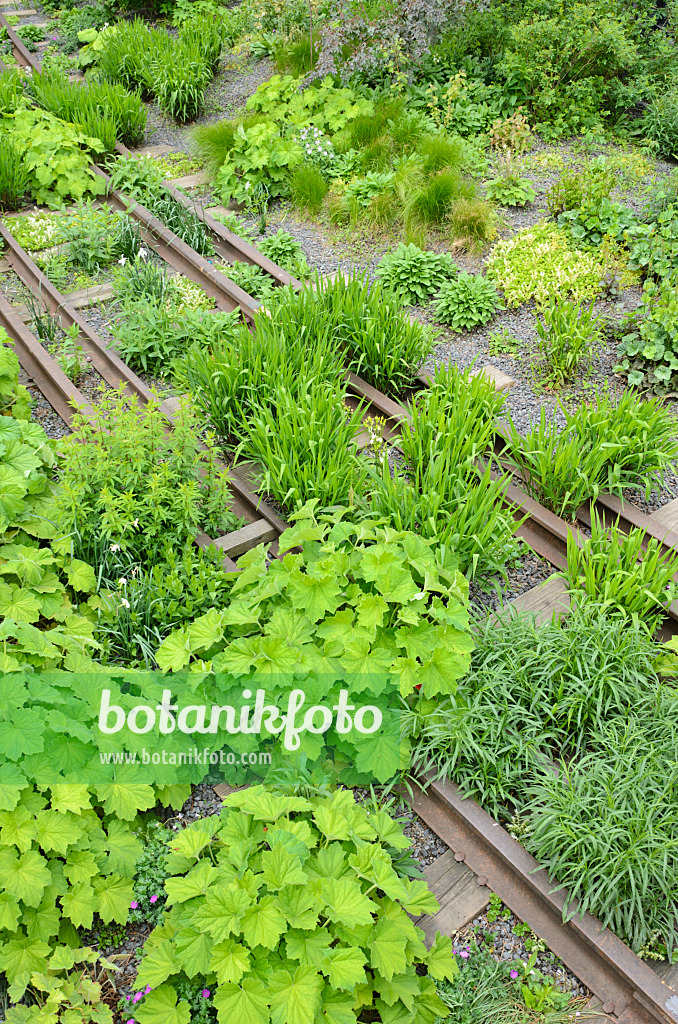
[
  {"x": 23, "y": 55},
  {"x": 228, "y": 245},
  {"x": 626, "y": 985}
]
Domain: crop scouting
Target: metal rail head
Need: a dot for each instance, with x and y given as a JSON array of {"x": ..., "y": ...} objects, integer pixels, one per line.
[{"x": 23, "y": 55}]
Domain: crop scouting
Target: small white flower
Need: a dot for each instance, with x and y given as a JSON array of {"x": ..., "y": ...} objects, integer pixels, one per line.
[
  {"x": 135, "y": 523},
  {"x": 115, "y": 547},
  {"x": 124, "y": 602},
  {"x": 122, "y": 582},
  {"x": 143, "y": 253},
  {"x": 122, "y": 261}
]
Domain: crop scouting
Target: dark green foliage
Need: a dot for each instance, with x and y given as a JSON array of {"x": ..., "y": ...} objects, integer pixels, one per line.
[
  {"x": 11, "y": 91},
  {"x": 415, "y": 275},
  {"x": 467, "y": 301},
  {"x": 14, "y": 177}
]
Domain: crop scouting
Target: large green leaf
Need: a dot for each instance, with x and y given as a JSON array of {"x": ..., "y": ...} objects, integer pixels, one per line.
[
  {"x": 125, "y": 800},
  {"x": 24, "y": 877},
  {"x": 346, "y": 903},
  {"x": 195, "y": 883},
  {"x": 158, "y": 965},
  {"x": 79, "y": 905},
  {"x": 246, "y": 1003},
  {"x": 115, "y": 895},
  {"x": 263, "y": 924},
  {"x": 387, "y": 949},
  {"x": 337, "y": 1008},
  {"x": 295, "y": 998},
  {"x": 25, "y": 734},
  {"x": 222, "y": 912},
  {"x": 230, "y": 961},
  {"x": 161, "y": 1007},
  {"x": 57, "y": 831},
  {"x": 193, "y": 951},
  {"x": 345, "y": 967},
  {"x": 280, "y": 867}
]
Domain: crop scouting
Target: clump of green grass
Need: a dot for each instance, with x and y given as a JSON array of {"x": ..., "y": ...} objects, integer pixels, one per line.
[
  {"x": 14, "y": 177},
  {"x": 308, "y": 189}
]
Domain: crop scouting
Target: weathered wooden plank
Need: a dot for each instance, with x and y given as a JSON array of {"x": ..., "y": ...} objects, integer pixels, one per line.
[
  {"x": 501, "y": 380},
  {"x": 240, "y": 541},
  {"x": 191, "y": 180},
  {"x": 159, "y": 150},
  {"x": 666, "y": 971},
  {"x": 460, "y": 896},
  {"x": 544, "y": 600},
  {"x": 90, "y": 296},
  {"x": 667, "y": 516}
]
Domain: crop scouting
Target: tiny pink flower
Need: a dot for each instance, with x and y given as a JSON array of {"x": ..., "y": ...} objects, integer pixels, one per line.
[
  {"x": 205, "y": 993},
  {"x": 464, "y": 954},
  {"x": 134, "y": 904},
  {"x": 147, "y": 990},
  {"x": 514, "y": 974},
  {"x": 154, "y": 899},
  {"x": 131, "y": 1020}
]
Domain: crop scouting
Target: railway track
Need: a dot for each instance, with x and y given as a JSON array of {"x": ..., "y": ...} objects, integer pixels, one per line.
[{"x": 482, "y": 855}]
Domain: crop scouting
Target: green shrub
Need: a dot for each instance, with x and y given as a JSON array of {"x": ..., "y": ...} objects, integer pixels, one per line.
[
  {"x": 142, "y": 503},
  {"x": 353, "y": 920},
  {"x": 150, "y": 335},
  {"x": 323, "y": 105},
  {"x": 538, "y": 262},
  {"x": 467, "y": 301},
  {"x": 308, "y": 189},
  {"x": 575, "y": 188},
  {"x": 594, "y": 220},
  {"x": 415, "y": 275},
  {"x": 14, "y": 177},
  {"x": 649, "y": 354},
  {"x": 255, "y": 281},
  {"x": 567, "y": 334},
  {"x": 626, "y": 574},
  {"x": 284, "y": 249},
  {"x": 261, "y": 157}
]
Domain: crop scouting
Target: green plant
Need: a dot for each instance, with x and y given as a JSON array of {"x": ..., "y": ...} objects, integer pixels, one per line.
[
  {"x": 55, "y": 154},
  {"x": 70, "y": 355},
  {"x": 624, "y": 573},
  {"x": 433, "y": 200},
  {"x": 92, "y": 235},
  {"x": 444, "y": 494},
  {"x": 649, "y": 354},
  {"x": 480, "y": 994},
  {"x": 286, "y": 251},
  {"x": 150, "y": 875},
  {"x": 660, "y": 123},
  {"x": 14, "y": 177},
  {"x": 511, "y": 190},
  {"x": 11, "y": 92},
  {"x": 612, "y": 444},
  {"x": 538, "y": 263},
  {"x": 308, "y": 189},
  {"x": 140, "y": 504},
  {"x": 467, "y": 301},
  {"x": 590, "y": 223},
  {"x": 472, "y": 222},
  {"x": 253, "y": 280},
  {"x": 93, "y": 107},
  {"x": 323, "y": 105},
  {"x": 575, "y": 188},
  {"x": 343, "y": 919},
  {"x": 567, "y": 334},
  {"x": 212, "y": 143},
  {"x": 230, "y": 220},
  {"x": 502, "y": 342},
  {"x": 415, "y": 275},
  {"x": 260, "y": 155},
  {"x": 14, "y": 398}
]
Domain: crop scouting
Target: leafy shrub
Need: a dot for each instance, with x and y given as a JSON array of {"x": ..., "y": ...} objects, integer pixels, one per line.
[
  {"x": 260, "y": 156},
  {"x": 567, "y": 332},
  {"x": 444, "y": 495},
  {"x": 284, "y": 249},
  {"x": 56, "y": 156},
  {"x": 467, "y": 301},
  {"x": 308, "y": 189},
  {"x": 290, "y": 886},
  {"x": 413, "y": 274},
  {"x": 612, "y": 444},
  {"x": 511, "y": 190},
  {"x": 255, "y": 281},
  {"x": 538, "y": 262},
  {"x": 150, "y": 335},
  {"x": 14, "y": 177},
  {"x": 463, "y": 106},
  {"x": 91, "y": 106},
  {"x": 625, "y": 573},
  {"x": 660, "y": 123},
  {"x": 160, "y": 497}
]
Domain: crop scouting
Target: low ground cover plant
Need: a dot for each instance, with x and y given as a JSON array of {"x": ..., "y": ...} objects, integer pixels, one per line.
[
  {"x": 467, "y": 301},
  {"x": 414, "y": 274}
]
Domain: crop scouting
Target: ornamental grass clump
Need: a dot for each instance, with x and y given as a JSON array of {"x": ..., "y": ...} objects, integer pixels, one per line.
[{"x": 304, "y": 928}]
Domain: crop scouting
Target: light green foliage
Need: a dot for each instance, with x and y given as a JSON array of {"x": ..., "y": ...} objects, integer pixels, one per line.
[
  {"x": 298, "y": 934},
  {"x": 610, "y": 444},
  {"x": 27, "y": 460},
  {"x": 538, "y": 262},
  {"x": 660, "y": 123},
  {"x": 308, "y": 189},
  {"x": 253, "y": 280},
  {"x": 594, "y": 220},
  {"x": 37, "y": 231},
  {"x": 171, "y": 488},
  {"x": 65, "y": 987},
  {"x": 626, "y": 574},
  {"x": 575, "y": 188},
  {"x": 511, "y": 190},
  {"x": 57, "y": 155},
  {"x": 567, "y": 333},
  {"x": 260, "y": 155},
  {"x": 358, "y": 593},
  {"x": 413, "y": 274},
  {"x": 467, "y": 301},
  {"x": 649, "y": 354},
  {"x": 323, "y": 105},
  {"x": 14, "y": 398},
  {"x": 443, "y": 494}
]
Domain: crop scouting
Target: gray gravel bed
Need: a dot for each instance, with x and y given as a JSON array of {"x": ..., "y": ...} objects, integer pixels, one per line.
[
  {"x": 528, "y": 573},
  {"x": 511, "y": 947},
  {"x": 43, "y": 413}
]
